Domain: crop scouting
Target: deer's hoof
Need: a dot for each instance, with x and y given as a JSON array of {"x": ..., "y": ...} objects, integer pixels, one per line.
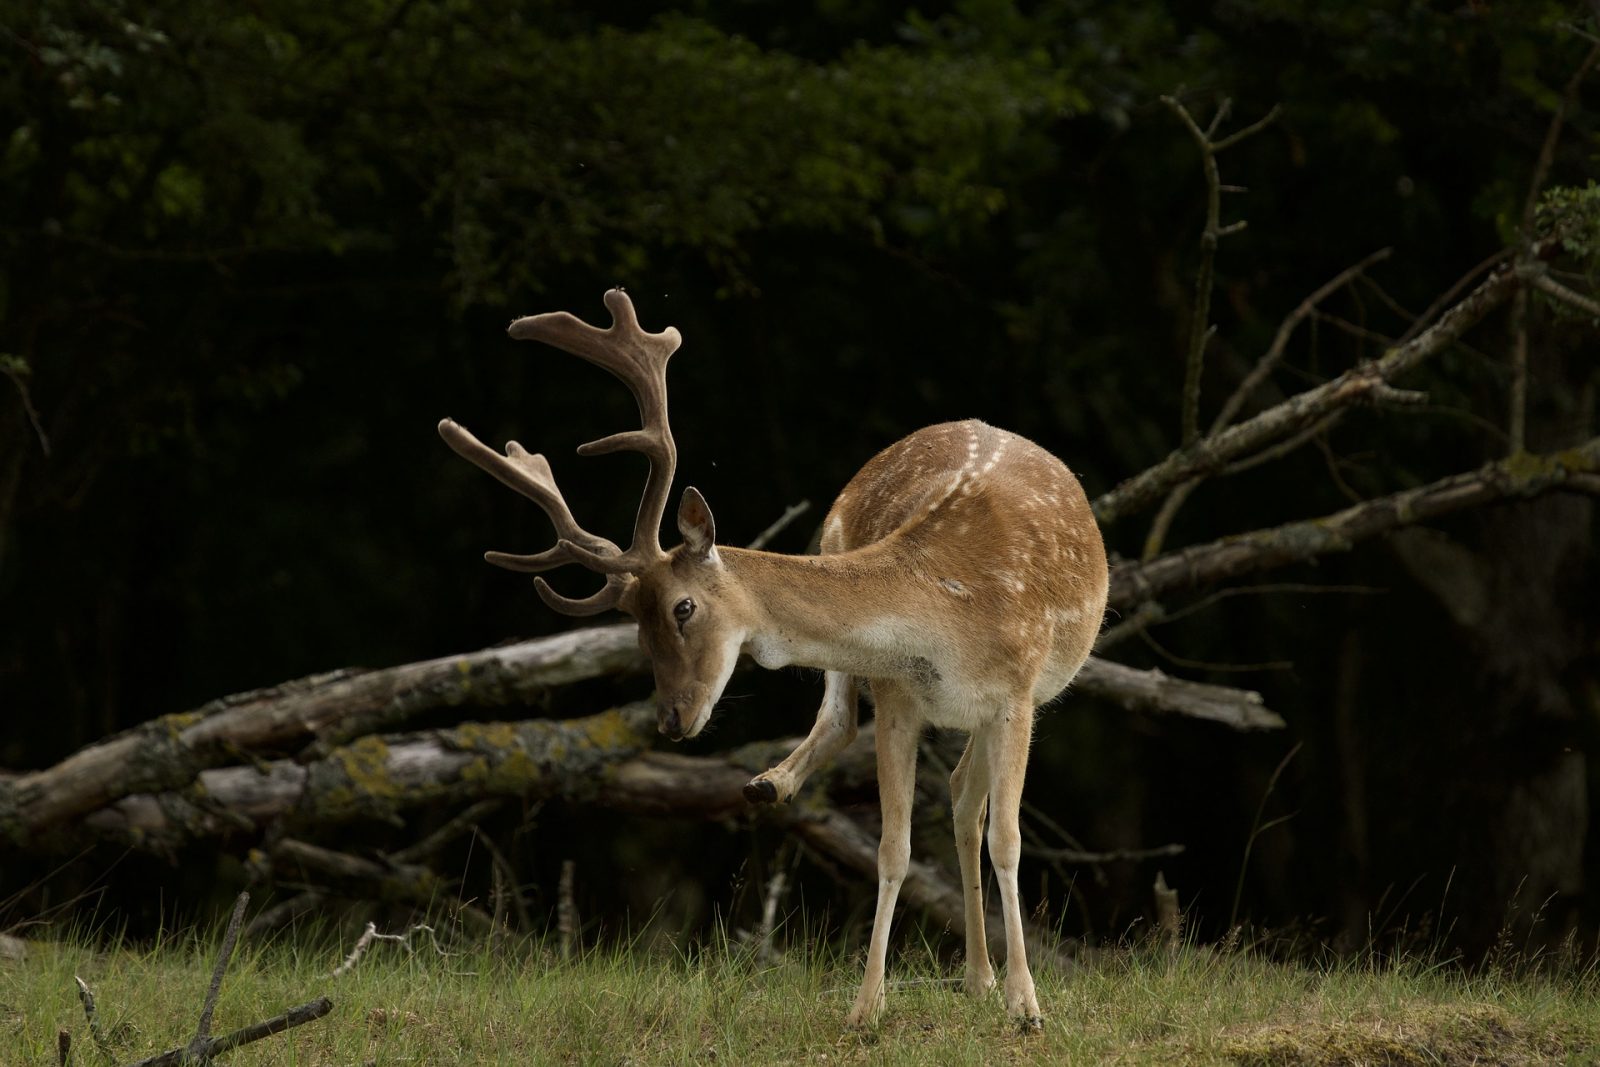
[{"x": 761, "y": 791}]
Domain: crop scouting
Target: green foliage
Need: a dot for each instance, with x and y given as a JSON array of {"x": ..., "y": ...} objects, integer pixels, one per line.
[{"x": 1572, "y": 214}]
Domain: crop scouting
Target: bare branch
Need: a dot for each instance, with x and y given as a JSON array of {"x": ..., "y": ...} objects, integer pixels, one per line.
[
  {"x": 1145, "y": 614},
  {"x": 370, "y": 936},
  {"x": 791, "y": 513},
  {"x": 96, "y": 1033},
  {"x": 1169, "y": 919},
  {"x": 567, "y": 910},
  {"x": 204, "y": 1048},
  {"x": 466, "y": 820},
  {"x": 1156, "y": 538},
  {"x": 1154, "y": 691},
  {"x": 1444, "y": 299},
  {"x": 1249, "y": 131},
  {"x": 776, "y": 886},
  {"x": 1550, "y": 287},
  {"x": 18, "y": 378},
  {"x": 1200, "y": 328},
  {"x": 1517, "y": 417},
  {"x": 305, "y": 1013},
  {"x": 1552, "y": 136},
  {"x": 1280, "y": 341},
  {"x": 284, "y": 912},
  {"x": 1284, "y": 447},
  {"x": 345, "y": 875},
  {"x": 198, "y": 1045},
  {"x": 1520, "y": 476},
  {"x": 1352, "y": 387},
  {"x": 298, "y": 1016},
  {"x": 1120, "y": 855}
]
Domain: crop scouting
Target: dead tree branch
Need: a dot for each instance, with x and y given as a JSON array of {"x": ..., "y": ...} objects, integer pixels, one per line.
[
  {"x": 1154, "y": 691},
  {"x": 1269, "y": 360},
  {"x": 1552, "y": 288},
  {"x": 1200, "y": 327},
  {"x": 168, "y": 753},
  {"x": 202, "y": 1032},
  {"x": 91, "y": 1015},
  {"x": 781, "y": 523},
  {"x": 1517, "y": 417},
  {"x": 370, "y": 935},
  {"x": 1358, "y": 385},
  {"x": 341, "y": 874},
  {"x": 1117, "y": 855},
  {"x": 1518, "y": 477},
  {"x": 203, "y": 1049},
  {"x": 298, "y": 1016},
  {"x": 377, "y": 778}
]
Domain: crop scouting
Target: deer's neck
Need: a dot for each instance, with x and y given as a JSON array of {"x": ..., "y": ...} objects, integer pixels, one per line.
[{"x": 853, "y": 612}]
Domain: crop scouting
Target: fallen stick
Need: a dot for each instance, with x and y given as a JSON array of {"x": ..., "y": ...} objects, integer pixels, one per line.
[{"x": 203, "y": 1049}]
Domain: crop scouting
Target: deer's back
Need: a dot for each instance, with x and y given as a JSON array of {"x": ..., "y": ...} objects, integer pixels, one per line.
[{"x": 997, "y": 536}]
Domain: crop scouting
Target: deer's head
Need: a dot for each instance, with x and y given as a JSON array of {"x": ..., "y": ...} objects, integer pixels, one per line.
[{"x": 687, "y": 610}]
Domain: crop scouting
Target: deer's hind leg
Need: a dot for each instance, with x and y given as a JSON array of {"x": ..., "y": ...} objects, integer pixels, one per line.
[
  {"x": 969, "y": 802},
  {"x": 834, "y": 729},
  {"x": 1007, "y": 744}
]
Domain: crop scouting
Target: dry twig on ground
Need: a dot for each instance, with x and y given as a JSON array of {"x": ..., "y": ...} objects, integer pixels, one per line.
[{"x": 203, "y": 1049}]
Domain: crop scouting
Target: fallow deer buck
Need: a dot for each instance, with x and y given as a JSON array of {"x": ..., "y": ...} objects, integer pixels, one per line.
[{"x": 962, "y": 577}]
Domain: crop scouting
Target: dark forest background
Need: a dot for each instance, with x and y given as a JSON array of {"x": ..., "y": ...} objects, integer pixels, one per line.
[{"x": 253, "y": 252}]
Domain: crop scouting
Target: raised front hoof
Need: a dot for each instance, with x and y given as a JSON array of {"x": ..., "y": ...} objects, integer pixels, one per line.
[
  {"x": 1030, "y": 1024},
  {"x": 760, "y": 791}
]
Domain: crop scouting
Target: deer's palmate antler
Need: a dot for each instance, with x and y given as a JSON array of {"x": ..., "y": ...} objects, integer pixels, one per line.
[
  {"x": 961, "y": 573},
  {"x": 640, "y": 360}
]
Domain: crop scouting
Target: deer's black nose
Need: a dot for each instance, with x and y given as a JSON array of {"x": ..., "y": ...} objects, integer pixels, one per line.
[{"x": 669, "y": 722}]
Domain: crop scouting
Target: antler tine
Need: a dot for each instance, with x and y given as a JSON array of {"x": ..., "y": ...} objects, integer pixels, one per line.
[
  {"x": 639, "y": 360},
  {"x": 529, "y": 474}
]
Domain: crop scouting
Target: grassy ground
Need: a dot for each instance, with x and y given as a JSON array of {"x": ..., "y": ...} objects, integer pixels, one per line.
[{"x": 1138, "y": 1006}]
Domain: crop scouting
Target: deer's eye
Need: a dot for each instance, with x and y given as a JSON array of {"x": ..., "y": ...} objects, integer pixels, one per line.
[{"x": 682, "y": 610}]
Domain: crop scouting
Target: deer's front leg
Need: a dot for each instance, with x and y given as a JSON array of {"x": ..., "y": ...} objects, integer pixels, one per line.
[
  {"x": 834, "y": 729},
  {"x": 898, "y": 730}
]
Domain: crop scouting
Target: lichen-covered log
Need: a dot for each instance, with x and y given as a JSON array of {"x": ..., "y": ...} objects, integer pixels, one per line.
[
  {"x": 333, "y": 711},
  {"x": 1517, "y": 477},
  {"x": 380, "y": 778},
  {"x": 168, "y": 753},
  {"x": 598, "y": 760}
]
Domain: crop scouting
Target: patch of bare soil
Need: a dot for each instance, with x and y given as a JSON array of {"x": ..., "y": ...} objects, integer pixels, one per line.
[{"x": 1479, "y": 1036}]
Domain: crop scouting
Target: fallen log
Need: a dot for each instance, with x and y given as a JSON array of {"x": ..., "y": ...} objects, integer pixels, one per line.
[
  {"x": 599, "y": 760},
  {"x": 332, "y": 710}
]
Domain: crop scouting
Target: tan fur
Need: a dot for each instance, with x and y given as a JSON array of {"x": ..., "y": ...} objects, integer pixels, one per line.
[{"x": 962, "y": 578}]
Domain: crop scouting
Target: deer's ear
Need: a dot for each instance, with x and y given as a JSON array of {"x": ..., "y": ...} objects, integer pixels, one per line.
[{"x": 696, "y": 525}]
